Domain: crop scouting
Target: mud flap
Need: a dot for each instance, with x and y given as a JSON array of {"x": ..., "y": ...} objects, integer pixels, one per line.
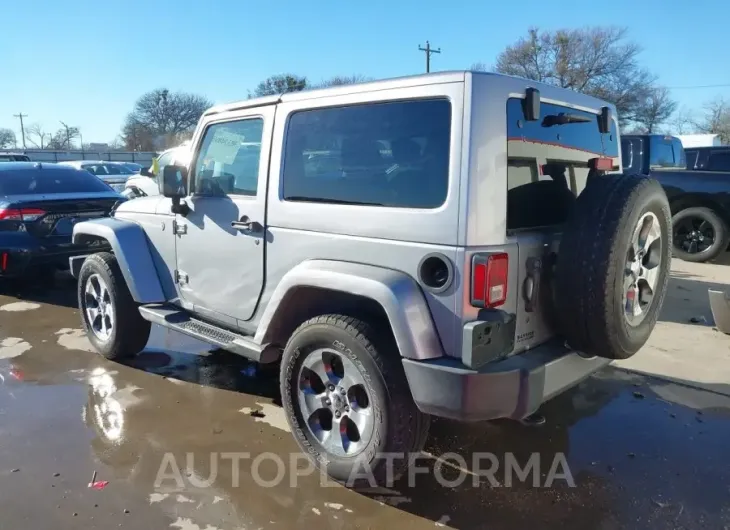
[{"x": 720, "y": 305}]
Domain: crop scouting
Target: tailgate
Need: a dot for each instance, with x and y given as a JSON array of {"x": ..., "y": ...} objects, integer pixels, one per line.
[{"x": 536, "y": 252}]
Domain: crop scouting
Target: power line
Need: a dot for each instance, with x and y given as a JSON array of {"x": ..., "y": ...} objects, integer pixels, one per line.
[
  {"x": 690, "y": 87},
  {"x": 22, "y": 128},
  {"x": 428, "y": 51}
]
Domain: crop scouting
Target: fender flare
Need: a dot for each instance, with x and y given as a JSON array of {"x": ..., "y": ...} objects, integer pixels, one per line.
[
  {"x": 129, "y": 244},
  {"x": 397, "y": 293}
]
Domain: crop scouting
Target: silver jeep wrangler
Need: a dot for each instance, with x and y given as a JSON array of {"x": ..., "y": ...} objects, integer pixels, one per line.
[{"x": 456, "y": 244}]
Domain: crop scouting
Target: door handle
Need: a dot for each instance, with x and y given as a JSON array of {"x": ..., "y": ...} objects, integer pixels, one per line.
[{"x": 247, "y": 224}]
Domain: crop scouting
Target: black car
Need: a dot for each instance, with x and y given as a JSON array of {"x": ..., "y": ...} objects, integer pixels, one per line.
[{"x": 39, "y": 205}]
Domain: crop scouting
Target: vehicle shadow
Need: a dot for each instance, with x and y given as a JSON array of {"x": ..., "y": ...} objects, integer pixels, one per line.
[{"x": 59, "y": 290}]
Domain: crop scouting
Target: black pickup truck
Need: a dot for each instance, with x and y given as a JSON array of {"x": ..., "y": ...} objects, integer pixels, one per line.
[{"x": 699, "y": 198}]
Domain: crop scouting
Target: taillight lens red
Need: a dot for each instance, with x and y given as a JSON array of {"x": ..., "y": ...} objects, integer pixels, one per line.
[
  {"x": 21, "y": 214},
  {"x": 489, "y": 275}
]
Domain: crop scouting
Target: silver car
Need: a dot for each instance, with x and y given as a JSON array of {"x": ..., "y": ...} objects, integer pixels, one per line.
[
  {"x": 115, "y": 174},
  {"x": 458, "y": 244}
]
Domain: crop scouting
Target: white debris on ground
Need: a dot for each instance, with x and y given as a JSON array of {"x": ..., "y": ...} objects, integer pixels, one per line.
[
  {"x": 74, "y": 339},
  {"x": 12, "y": 347},
  {"x": 19, "y": 306},
  {"x": 270, "y": 414}
]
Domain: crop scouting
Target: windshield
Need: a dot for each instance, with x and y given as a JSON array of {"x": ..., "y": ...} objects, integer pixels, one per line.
[{"x": 47, "y": 181}]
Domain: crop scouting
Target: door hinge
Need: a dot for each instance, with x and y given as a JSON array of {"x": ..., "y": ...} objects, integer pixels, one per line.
[
  {"x": 179, "y": 228},
  {"x": 180, "y": 277}
]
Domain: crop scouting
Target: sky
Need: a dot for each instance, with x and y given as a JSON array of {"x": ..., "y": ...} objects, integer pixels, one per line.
[{"x": 86, "y": 62}]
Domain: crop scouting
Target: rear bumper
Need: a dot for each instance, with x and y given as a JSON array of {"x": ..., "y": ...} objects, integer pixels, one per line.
[{"x": 511, "y": 388}]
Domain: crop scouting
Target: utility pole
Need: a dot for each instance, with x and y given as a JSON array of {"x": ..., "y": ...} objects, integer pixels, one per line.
[
  {"x": 428, "y": 51},
  {"x": 22, "y": 127}
]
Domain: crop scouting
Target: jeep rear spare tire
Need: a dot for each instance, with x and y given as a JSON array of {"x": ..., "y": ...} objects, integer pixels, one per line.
[{"x": 613, "y": 266}]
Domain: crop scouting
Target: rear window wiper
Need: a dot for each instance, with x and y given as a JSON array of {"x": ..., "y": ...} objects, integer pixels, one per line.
[
  {"x": 331, "y": 201},
  {"x": 564, "y": 118}
]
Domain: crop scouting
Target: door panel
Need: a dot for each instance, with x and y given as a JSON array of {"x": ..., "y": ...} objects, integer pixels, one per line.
[{"x": 221, "y": 265}]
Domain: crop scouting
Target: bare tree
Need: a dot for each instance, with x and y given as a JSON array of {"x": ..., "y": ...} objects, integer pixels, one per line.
[
  {"x": 340, "y": 80},
  {"x": 7, "y": 138},
  {"x": 160, "y": 118},
  {"x": 37, "y": 136},
  {"x": 480, "y": 67},
  {"x": 656, "y": 108},
  {"x": 716, "y": 119},
  {"x": 682, "y": 122},
  {"x": 279, "y": 84},
  {"x": 63, "y": 138},
  {"x": 596, "y": 60}
]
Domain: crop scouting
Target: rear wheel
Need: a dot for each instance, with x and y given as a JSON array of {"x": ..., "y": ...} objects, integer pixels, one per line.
[
  {"x": 109, "y": 314},
  {"x": 347, "y": 400},
  {"x": 699, "y": 234}
]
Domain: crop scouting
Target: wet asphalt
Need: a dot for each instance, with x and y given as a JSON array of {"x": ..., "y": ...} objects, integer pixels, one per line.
[{"x": 642, "y": 452}]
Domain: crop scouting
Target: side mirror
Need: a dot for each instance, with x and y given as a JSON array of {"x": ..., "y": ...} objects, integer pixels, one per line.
[
  {"x": 174, "y": 182},
  {"x": 604, "y": 120},
  {"x": 175, "y": 186},
  {"x": 145, "y": 172}
]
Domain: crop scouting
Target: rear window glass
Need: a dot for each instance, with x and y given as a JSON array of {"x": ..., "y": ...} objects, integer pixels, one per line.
[
  {"x": 46, "y": 181},
  {"x": 719, "y": 161},
  {"x": 393, "y": 154},
  {"x": 547, "y": 162}
]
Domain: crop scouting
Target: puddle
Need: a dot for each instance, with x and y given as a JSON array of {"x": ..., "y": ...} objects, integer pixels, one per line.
[
  {"x": 19, "y": 306},
  {"x": 13, "y": 347}
]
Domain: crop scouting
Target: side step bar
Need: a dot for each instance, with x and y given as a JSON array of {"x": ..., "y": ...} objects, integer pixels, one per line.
[{"x": 179, "y": 320}]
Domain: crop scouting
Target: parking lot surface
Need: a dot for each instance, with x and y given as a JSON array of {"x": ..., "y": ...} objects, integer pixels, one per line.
[{"x": 645, "y": 441}]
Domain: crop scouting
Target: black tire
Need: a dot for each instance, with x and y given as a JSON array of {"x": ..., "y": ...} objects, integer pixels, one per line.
[
  {"x": 719, "y": 229},
  {"x": 130, "y": 331},
  {"x": 399, "y": 428},
  {"x": 591, "y": 265}
]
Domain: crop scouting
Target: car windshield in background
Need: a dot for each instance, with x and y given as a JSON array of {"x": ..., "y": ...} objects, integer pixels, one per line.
[
  {"x": 134, "y": 168},
  {"x": 108, "y": 169},
  {"x": 49, "y": 181}
]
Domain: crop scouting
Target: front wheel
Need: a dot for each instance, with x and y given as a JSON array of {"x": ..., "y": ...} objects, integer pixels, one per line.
[
  {"x": 109, "y": 314},
  {"x": 699, "y": 234},
  {"x": 347, "y": 401}
]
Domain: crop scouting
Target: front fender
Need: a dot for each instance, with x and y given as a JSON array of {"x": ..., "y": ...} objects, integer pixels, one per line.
[
  {"x": 397, "y": 293},
  {"x": 129, "y": 243}
]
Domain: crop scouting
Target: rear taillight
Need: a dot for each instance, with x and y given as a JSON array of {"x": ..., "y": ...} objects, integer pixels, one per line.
[
  {"x": 3, "y": 262},
  {"x": 489, "y": 280},
  {"x": 21, "y": 214}
]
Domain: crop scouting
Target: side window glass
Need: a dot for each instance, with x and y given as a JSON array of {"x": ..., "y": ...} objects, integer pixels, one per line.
[
  {"x": 112, "y": 169},
  {"x": 228, "y": 161}
]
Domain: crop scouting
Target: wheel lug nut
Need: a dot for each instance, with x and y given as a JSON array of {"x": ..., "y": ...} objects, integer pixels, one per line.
[
  {"x": 347, "y": 409},
  {"x": 331, "y": 388},
  {"x": 342, "y": 390},
  {"x": 337, "y": 414},
  {"x": 327, "y": 402}
]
